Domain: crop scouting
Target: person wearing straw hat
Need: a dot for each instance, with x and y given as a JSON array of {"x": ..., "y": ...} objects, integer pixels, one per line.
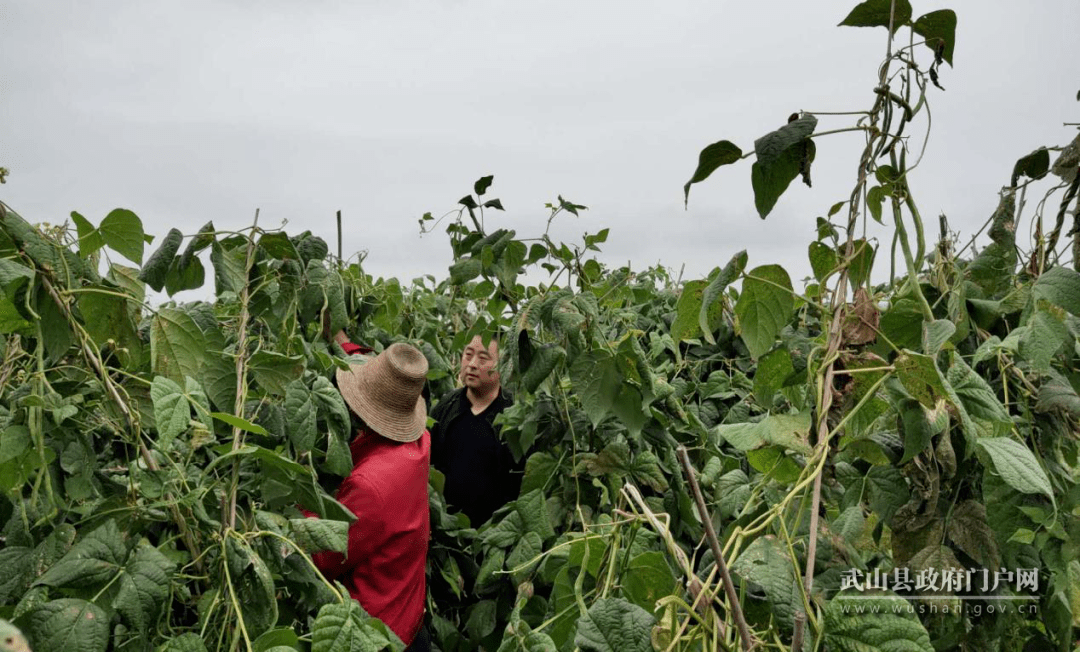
[{"x": 384, "y": 565}]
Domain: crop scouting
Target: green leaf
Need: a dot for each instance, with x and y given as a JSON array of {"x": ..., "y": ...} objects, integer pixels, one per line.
[
  {"x": 615, "y": 625},
  {"x": 241, "y": 423},
  {"x": 465, "y": 270},
  {"x": 688, "y": 309},
  {"x": 888, "y": 490},
  {"x": 766, "y": 562},
  {"x": 90, "y": 239},
  {"x": 917, "y": 429},
  {"x": 171, "y": 410},
  {"x": 873, "y": 626},
  {"x": 970, "y": 532},
  {"x": 539, "y": 469},
  {"x": 939, "y": 30},
  {"x": 902, "y": 323},
  {"x": 332, "y": 407},
  {"x": 16, "y": 572},
  {"x": 281, "y": 639},
  {"x": 184, "y": 643},
  {"x": 156, "y": 269},
  {"x": 862, "y": 261},
  {"x": 109, "y": 317},
  {"x": 788, "y": 430},
  {"x": 230, "y": 268},
  {"x": 1061, "y": 287},
  {"x": 182, "y": 275},
  {"x": 1045, "y": 334},
  {"x": 482, "y": 184},
  {"x": 1057, "y": 394},
  {"x": 66, "y": 625},
  {"x": 91, "y": 562},
  {"x": 993, "y": 269},
  {"x": 720, "y": 153},
  {"x": 772, "y": 370},
  {"x": 318, "y": 535},
  {"x": 527, "y": 550},
  {"x": 1033, "y": 166},
  {"x": 300, "y": 415},
  {"x": 921, "y": 378},
  {"x": 823, "y": 260},
  {"x": 254, "y": 586},
  {"x": 596, "y": 380},
  {"x": 122, "y": 231},
  {"x": 770, "y": 147},
  {"x": 177, "y": 345},
  {"x": 936, "y": 334},
  {"x": 1017, "y": 466},
  {"x": 534, "y": 514},
  {"x": 764, "y": 307},
  {"x": 144, "y": 586},
  {"x": 770, "y": 181},
  {"x": 482, "y": 618},
  {"x": 710, "y": 306},
  {"x": 647, "y": 579},
  {"x": 850, "y": 523},
  {"x": 339, "y": 627},
  {"x": 877, "y": 13},
  {"x": 874, "y": 198},
  {"x": 981, "y": 412},
  {"x": 274, "y": 371}
]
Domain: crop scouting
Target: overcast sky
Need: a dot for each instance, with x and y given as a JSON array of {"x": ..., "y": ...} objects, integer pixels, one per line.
[{"x": 187, "y": 112}]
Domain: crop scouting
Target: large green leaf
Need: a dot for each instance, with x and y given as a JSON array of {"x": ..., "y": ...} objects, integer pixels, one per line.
[
  {"x": 1017, "y": 465},
  {"x": 532, "y": 507},
  {"x": 122, "y": 231},
  {"x": 879, "y": 13},
  {"x": 274, "y": 371},
  {"x": 766, "y": 562},
  {"x": 300, "y": 415},
  {"x": 524, "y": 557},
  {"x": 719, "y": 153},
  {"x": 144, "y": 586},
  {"x": 184, "y": 643},
  {"x": 615, "y": 625},
  {"x": 156, "y": 269},
  {"x": 318, "y": 535},
  {"x": 254, "y": 586},
  {"x": 66, "y": 625},
  {"x": 91, "y": 562},
  {"x": 90, "y": 239},
  {"x": 873, "y": 625},
  {"x": 596, "y": 380},
  {"x": 788, "y": 430},
  {"x": 171, "y": 410},
  {"x": 710, "y": 306},
  {"x": 230, "y": 265},
  {"x": 764, "y": 307},
  {"x": 647, "y": 579},
  {"x": 340, "y": 628},
  {"x": 770, "y": 147},
  {"x": 771, "y": 180},
  {"x": 993, "y": 268},
  {"x": 1060, "y": 286},
  {"x": 109, "y": 317},
  {"x": 978, "y": 405},
  {"x": 688, "y": 310},
  {"x": 970, "y": 532},
  {"x": 177, "y": 345},
  {"x": 939, "y": 30},
  {"x": 1044, "y": 335},
  {"x": 887, "y": 489}
]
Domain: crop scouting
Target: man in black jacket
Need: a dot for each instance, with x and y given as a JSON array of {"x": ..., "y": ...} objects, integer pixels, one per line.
[{"x": 480, "y": 471}]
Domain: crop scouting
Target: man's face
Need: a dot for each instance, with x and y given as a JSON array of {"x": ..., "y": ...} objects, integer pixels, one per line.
[{"x": 479, "y": 365}]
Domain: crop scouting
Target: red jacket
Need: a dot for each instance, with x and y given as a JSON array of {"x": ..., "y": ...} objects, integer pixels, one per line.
[{"x": 384, "y": 566}]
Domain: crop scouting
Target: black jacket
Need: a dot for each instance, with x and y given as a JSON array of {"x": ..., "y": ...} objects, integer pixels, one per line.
[{"x": 480, "y": 471}]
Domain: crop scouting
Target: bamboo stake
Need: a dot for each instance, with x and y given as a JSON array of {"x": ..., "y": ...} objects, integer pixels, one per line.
[{"x": 748, "y": 642}]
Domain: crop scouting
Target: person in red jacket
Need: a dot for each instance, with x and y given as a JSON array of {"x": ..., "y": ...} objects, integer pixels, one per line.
[{"x": 383, "y": 568}]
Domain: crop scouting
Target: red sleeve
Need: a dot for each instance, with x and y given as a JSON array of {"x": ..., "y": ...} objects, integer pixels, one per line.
[
  {"x": 358, "y": 497},
  {"x": 350, "y": 348}
]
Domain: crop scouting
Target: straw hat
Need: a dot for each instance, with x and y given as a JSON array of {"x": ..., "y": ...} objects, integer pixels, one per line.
[{"x": 385, "y": 391}]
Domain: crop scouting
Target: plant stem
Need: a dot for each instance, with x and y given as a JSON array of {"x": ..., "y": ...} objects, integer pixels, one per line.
[
  {"x": 748, "y": 643},
  {"x": 229, "y": 522}
]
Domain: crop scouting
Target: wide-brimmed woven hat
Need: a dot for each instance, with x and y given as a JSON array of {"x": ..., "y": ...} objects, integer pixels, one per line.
[{"x": 385, "y": 392}]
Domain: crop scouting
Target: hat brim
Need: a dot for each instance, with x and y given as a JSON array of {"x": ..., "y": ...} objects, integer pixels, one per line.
[{"x": 355, "y": 388}]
